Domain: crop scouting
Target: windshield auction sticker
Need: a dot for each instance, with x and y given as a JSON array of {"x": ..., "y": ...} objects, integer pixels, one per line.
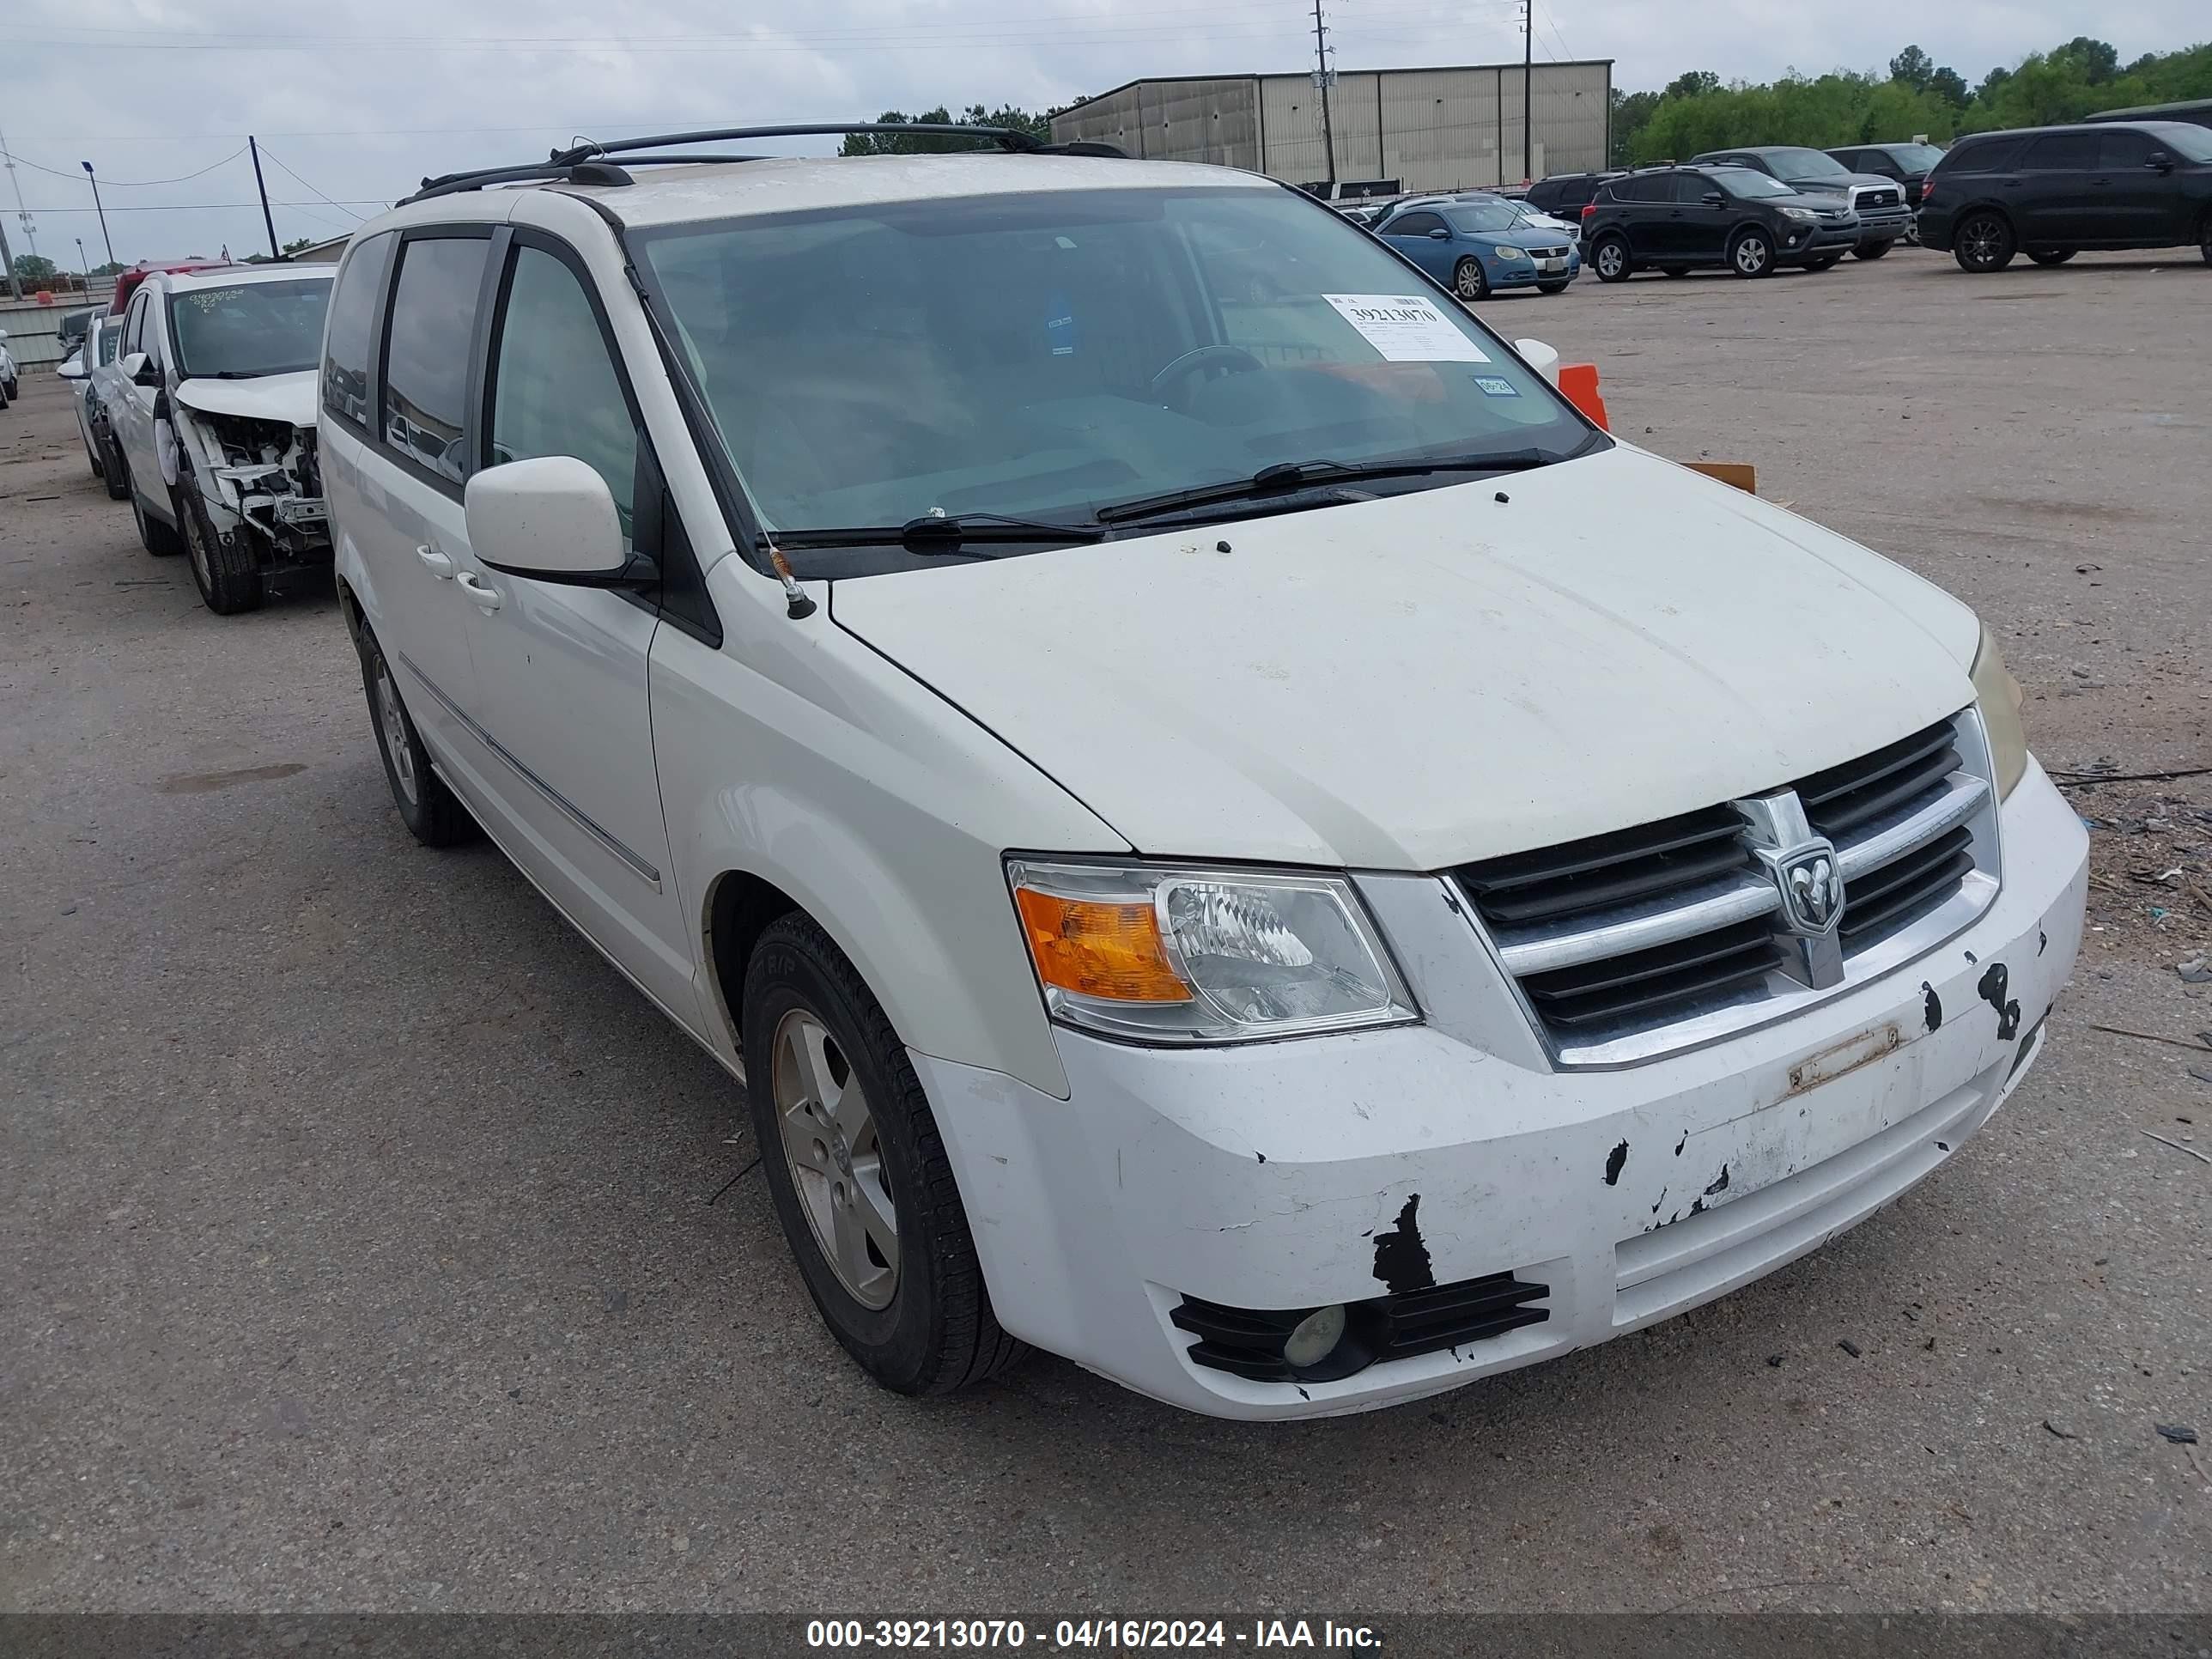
[{"x": 1407, "y": 329}]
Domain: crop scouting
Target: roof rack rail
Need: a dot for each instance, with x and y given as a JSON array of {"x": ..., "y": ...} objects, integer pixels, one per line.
[{"x": 591, "y": 162}]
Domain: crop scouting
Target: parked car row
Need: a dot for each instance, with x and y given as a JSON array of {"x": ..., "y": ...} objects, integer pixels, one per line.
[
  {"x": 197, "y": 404},
  {"x": 2049, "y": 193}
]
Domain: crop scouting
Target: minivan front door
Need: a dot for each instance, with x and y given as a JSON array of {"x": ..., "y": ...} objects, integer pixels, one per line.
[
  {"x": 562, "y": 669},
  {"x": 413, "y": 533}
]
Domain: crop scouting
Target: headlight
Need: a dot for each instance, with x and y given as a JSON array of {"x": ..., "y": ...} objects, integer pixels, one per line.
[
  {"x": 1174, "y": 954},
  {"x": 1505, "y": 252},
  {"x": 2000, "y": 697},
  {"x": 1799, "y": 213}
]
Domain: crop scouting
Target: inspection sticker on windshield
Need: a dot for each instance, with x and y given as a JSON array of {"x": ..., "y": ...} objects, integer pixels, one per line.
[
  {"x": 1407, "y": 329},
  {"x": 1493, "y": 386}
]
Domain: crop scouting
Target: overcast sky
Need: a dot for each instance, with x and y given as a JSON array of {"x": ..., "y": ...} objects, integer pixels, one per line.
[{"x": 362, "y": 99}]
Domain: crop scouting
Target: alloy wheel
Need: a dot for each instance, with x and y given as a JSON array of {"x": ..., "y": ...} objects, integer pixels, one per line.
[
  {"x": 836, "y": 1158},
  {"x": 1750, "y": 255},
  {"x": 393, "y": 718},
  {"x": 1467, "y": 280},
  {"x": 1981, "y": 240},
  {"x": 1610, "y": 259}
]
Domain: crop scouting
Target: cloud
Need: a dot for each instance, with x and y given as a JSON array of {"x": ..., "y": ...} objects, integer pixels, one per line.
[{"x": 363, "y": 99}]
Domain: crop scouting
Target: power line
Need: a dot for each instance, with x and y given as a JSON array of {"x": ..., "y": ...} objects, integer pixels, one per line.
[
  {"x": 131, "y": 184},
  {"x": 216, "y": 207},
  {"x": 332, "y": 200}
]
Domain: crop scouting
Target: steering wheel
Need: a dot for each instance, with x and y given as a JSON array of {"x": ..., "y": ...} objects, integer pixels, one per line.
[{"x": 1236, "y": 359}]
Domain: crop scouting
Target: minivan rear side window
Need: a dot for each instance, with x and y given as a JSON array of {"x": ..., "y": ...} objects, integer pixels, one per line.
[
  {"x": 352, "y": 326},
  {"x": 426, "y": 351}
]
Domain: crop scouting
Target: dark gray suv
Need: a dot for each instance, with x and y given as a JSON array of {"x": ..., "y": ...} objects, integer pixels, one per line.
[
  {"x": 2052, "y": 191},
  {"x": 1884, "y": 216}
]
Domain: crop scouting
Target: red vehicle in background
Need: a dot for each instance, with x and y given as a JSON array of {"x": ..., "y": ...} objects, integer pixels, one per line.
[{"x": 126, "y": 282}]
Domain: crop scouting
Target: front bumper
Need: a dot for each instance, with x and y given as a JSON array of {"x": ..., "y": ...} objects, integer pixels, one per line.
[
  {"x": 1885, "y": 224},
  {"x": 1527, "y": 273},
  {"x": 1284, "y": 1176}
]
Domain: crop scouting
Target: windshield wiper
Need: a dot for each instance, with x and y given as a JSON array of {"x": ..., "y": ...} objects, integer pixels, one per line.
[
  {"x": 939, "y": 533},
  {"x": 1287, "y": 476}
]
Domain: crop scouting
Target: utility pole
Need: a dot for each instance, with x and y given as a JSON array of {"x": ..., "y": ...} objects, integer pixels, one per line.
[
  {"x": 100, "y": 210},
  {"x": 1527, "y": 77},
  {"x": 268, "y": 223},
  {"x": 1321, "y": 80},
  {"x": 15, "y": 283},
  {"x": 83, "y": 265}
]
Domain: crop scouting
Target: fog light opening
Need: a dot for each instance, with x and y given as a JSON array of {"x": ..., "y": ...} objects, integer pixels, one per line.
[{"x": 1313, "y": 1338}]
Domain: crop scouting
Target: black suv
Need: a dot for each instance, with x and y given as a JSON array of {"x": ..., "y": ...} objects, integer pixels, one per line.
[
  {"x": 1885, "y": 215},
  {"x": 2052, "y": 191},
  {"x": 1908, "y": 164},
  {"x": 1673, "y": 219},
  {"x": 1565, "y": 194}
]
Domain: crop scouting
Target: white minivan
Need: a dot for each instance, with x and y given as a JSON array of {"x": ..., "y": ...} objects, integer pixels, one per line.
[{"x": 1229, "y": 833}]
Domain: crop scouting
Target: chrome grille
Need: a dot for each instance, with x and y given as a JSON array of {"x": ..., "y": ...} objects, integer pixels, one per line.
[
  {"x": 1645, "y": 940},
  {"x": 1880, "y": 198}
]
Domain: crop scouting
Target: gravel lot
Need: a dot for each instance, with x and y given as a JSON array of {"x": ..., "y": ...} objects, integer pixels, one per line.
[{"x": 357, "y": 1247}]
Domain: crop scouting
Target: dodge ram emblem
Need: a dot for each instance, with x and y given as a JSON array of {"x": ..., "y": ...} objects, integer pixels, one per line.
[{"x": 1812, "y": 886}]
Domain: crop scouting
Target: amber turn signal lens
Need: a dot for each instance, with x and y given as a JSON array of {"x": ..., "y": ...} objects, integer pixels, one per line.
[{"x": 1097, "y": 948}]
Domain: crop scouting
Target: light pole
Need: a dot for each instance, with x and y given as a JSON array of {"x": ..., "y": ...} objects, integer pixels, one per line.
[
  {"x": 100, "y": 210},
  {"x": 82, "y": 265}
]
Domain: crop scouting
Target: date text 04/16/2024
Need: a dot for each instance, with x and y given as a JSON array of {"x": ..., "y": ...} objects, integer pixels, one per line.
[{"x": 1088, "y": 1634}]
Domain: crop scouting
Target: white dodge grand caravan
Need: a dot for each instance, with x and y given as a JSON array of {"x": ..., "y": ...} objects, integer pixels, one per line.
[{"x": 1229, "y": 833}]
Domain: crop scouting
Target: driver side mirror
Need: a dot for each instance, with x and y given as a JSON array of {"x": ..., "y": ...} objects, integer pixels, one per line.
[
  {"x": 2160, "y": 162},
  {"x": 1714, "y": 198},
  {"x": 140, "y": 369},
  {"x": 1440, "y": 234},
  {"x": 73, "y": 369},
  {"x": 551, "y": 519}
]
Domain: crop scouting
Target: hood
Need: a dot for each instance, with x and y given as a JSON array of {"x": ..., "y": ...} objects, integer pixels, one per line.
[
  {"x": 1827, "y": 183},
  {"x": 1414, "y": 682},
  {"x": 287, "y": 397}
]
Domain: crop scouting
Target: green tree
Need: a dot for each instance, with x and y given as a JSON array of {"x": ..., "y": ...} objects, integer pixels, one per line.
[
  {"x": 1631, "y": 110},
  {"x": 900, "y": 143},
  {"x": 1692, "y": 84},
  {"x": 1950, "y": 86},
  {"x": 114, "y": 267},
  {"x": 33, "y": 268},
  {"x": 2097, "y": 61},
  {"x": 1912, "y": 66}
]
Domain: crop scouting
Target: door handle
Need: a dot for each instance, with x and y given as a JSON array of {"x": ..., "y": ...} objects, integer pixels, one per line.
[
  {"x": 436, "y": 562},
  {"x": 485, "y": 597}
]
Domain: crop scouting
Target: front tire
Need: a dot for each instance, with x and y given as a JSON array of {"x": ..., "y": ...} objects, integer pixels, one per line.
[
  {"x": 160, "y": 539},
  {"x": 429, "y": 810},
  {"x": 1869, "y": 250},
  {"x": 1469, "y": 281},
  {"x": 1983, "y": 242},
  {"x": 1752, "y": 254},
  {"x": 857, "y": 1170},
  {"x": 2204, "y": 236},
  {"x": 1610, "y": 260},
  {"x": 113, "y": 472},
  {"x": 228, "y": 579}
]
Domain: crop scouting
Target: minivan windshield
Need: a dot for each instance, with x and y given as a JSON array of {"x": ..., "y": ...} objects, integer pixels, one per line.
[
  {"x": 1046, "y": 355},
  {"x": 247, "y": 329}
]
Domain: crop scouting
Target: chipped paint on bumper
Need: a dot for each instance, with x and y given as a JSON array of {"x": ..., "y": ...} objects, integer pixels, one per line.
[{"x": 1273, "y": 1177}]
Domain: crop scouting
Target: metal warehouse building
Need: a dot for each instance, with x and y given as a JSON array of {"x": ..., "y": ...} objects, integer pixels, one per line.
[{"x": 1432, "y": 129}]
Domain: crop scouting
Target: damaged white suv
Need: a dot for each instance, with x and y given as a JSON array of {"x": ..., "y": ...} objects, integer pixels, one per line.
[
  {"x": 216, "y": 424},
  {"x": 1229, "y": 832}
]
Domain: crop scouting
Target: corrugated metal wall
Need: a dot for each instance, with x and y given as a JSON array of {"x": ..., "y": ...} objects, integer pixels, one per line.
[{"x": 1437, "y": 128}]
